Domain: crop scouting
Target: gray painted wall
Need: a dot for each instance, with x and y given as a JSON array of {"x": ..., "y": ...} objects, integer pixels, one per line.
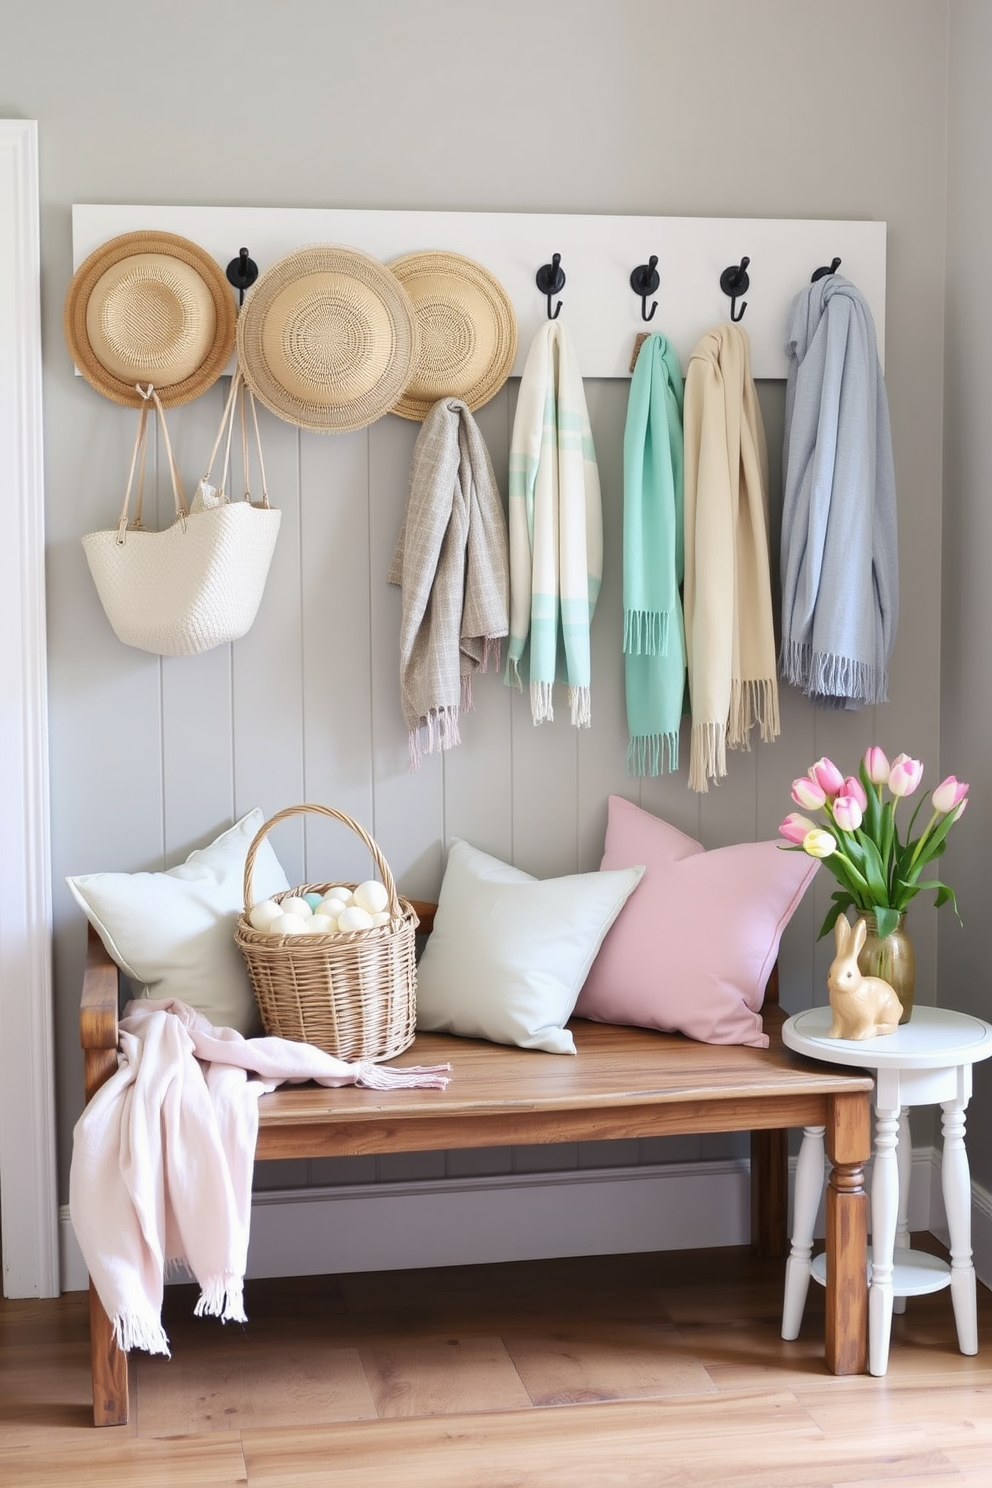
[
  {"x": 775, "y": 109},
  {"x": 965, "y": 685}
]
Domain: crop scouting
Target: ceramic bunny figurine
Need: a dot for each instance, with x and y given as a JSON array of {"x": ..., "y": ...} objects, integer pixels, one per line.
[{"x": 863, "y": 1006}]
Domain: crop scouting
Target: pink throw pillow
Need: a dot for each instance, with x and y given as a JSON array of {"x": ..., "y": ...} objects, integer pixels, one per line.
[{"x": 692, "y": 949}]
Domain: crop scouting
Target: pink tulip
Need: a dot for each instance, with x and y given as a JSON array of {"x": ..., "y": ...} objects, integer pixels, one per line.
[
  {"x": 847, "y": 813},
  {"x": 806, "y": 792},
  {"x": 877, "y": 765},
  {"x": 960, "y": 811},
  {"x": 905, "y": 775},
  {"x": 948, "y": 794},
  {"x": 827, "y": 777},
  {"x": 795, "y": 827},
  {"x": 853, "y": 787}
]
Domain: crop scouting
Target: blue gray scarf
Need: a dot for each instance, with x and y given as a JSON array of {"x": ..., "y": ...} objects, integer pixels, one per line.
[{"x": 840, "y": 578}]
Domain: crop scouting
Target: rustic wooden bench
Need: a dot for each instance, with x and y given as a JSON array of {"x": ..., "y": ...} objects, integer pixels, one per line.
[{"x": 624, "y": 1082}]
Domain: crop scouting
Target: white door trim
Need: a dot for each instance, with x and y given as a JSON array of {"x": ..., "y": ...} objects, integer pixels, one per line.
[{"x": 28, "y": 1184}]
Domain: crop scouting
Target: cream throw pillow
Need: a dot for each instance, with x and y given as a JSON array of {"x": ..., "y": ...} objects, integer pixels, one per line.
[
  {"x": 509, "y": 953},
  {"x": 172, "y": 933}
]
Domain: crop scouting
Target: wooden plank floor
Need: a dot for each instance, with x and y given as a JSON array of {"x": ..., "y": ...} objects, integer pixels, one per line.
[{"x": 632, "y": 1370}]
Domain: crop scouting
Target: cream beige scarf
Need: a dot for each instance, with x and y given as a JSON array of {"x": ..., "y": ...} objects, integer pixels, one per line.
[{"x": 729, "y": 630}]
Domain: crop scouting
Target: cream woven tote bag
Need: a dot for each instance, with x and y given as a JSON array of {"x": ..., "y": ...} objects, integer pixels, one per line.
[{"x": 199, "y": 583}]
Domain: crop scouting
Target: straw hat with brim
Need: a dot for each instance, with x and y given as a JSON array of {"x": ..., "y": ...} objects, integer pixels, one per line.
[
  {"x": 327, "y": 339},
  {"x": 467, "y": 331},
  {"x": 150, "y": 307}
]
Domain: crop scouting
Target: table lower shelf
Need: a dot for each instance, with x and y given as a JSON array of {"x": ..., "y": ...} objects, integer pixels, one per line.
[{"x": 915, "y": 1273}]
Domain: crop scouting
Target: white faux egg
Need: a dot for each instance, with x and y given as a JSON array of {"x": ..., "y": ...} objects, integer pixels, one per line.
[
  {"x": 321, "y": 924},
  {"x": 372, "y": 895},
  {"x": 263, "y": 913},
  {"x": 295, "y": 905},
  {"x": 382, "y": 918},
  {"x": 331, "y": 906},
  {"x": 289, "y": 924},
  {"x": 354, "y": 918}
]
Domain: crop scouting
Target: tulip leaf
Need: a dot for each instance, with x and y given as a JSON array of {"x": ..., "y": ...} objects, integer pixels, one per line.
[{"x": 886, "y": 919}]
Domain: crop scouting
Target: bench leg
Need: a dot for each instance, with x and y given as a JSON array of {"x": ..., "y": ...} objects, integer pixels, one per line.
[
  {"x": 848, "y": 1148},
  {"x": 769, "y": 1192},
  {"x": 108, "y": 1365}
]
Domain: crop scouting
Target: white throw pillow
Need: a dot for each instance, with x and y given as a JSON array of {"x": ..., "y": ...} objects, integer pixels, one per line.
[
  {"x": 173, "y": 932},
  {"x": 509, "y": 953}
]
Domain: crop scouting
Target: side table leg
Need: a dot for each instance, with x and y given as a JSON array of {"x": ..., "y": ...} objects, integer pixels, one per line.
[
  {"x": 904, "y": 1167},
  {"x": 809, "y": 1187},
  {"x": 955, "y": 1180},
  {"x": 884, "y": 1211},
  {"x": 848, "y": 1145}
]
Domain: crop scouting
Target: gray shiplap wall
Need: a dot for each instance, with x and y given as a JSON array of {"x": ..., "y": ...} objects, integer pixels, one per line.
[
  {"x": 306, "y": 708},
  {"x": 653, "y": 106}
]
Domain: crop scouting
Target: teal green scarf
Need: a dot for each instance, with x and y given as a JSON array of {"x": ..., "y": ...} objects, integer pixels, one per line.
[{"x": 653, "y": 558}]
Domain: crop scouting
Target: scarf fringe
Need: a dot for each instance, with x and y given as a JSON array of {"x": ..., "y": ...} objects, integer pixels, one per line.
[
  {"x": 492, "y": 654},
  {"x": 707, "y": 755},
  {"x": 580, "y": 704},
  {"x": 223, "y": 1297},
  {"x": 134, "y": 1332},
  {"x": 439, "y": 730},
  {"x": 752, "y": 702},
  {"x": 825, "y": 675},
  {"x": 646, "y": 754},
  {"x": 512, "y": 676},
  {"x": 541, "y": 706},
  {"x": 415, "y": 1077},
  {"x": 645, "y": 632}
]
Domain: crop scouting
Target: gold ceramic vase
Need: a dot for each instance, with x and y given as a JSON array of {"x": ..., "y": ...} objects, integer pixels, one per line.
[{"x": 893, "y": 959}]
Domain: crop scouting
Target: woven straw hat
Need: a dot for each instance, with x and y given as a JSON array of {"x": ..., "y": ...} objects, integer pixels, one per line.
[
  {"x": 327, "y": 339},
  {"x": 467, "y": 331},
  {"x": 150, "y": 307}
]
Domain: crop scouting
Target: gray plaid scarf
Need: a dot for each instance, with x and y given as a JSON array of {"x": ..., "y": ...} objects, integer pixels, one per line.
[{"x": 451, "y": 563}]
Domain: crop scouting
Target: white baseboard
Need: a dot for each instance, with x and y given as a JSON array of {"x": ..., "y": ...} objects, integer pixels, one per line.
[{"x": 448, "y": 1222}]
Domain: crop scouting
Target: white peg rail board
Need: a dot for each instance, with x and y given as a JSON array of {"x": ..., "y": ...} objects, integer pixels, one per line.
[{"x": 601, "y": 311}]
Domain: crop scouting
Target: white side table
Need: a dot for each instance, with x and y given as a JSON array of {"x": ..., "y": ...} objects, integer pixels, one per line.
[{"x": 926, "y": 1061}]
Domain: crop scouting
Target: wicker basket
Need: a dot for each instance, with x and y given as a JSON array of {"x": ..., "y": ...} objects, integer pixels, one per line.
[{"x": 353, "y": 995}]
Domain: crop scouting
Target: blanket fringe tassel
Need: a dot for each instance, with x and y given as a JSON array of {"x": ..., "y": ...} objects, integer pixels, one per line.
[
  {"x": 646, "y": 754},
  {"x": 222, "y": 1297},
  {"x": 415, "y": 1077},
  {"x": 134, "y": 1332}
]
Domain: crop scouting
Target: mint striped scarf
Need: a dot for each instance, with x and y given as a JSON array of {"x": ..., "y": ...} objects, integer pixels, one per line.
[
  {"x": 653, "y": 557},
  {"x": 555, "y": 527}
]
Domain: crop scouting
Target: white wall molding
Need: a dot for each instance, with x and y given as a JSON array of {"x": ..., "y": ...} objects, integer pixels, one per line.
[
  {"x": 598, "y": 253},
  {"x": 27, "y": 1096},
  {"x": 471, "y": 1221}
]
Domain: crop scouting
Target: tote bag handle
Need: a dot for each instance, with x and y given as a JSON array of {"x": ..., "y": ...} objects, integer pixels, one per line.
[
  {"x": 236, "y": 398},
  {"x": 149, "y": 395}
]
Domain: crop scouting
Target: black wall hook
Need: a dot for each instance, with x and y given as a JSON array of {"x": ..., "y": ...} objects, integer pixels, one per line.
[
  {"x": 734, "y": 281},
  {"x": 644, "y": 281},
  {"x": 823, "y": 271},
  {"x": 550, "y": 281},
  {"x": 242, "y": 273}
]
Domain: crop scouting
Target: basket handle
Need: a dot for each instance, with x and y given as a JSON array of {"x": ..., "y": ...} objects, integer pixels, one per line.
[{"x": 395, "y": 911}]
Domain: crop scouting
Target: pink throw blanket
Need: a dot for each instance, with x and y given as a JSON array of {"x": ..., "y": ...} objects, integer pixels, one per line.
[{"x": 163, "y": 1155}]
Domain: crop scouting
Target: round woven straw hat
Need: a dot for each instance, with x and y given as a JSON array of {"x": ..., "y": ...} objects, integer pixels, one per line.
[
  {"x": 466, "y": 327},
  {"x": 150, "y": 307},
  {"x": 327, "y": 339}
]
